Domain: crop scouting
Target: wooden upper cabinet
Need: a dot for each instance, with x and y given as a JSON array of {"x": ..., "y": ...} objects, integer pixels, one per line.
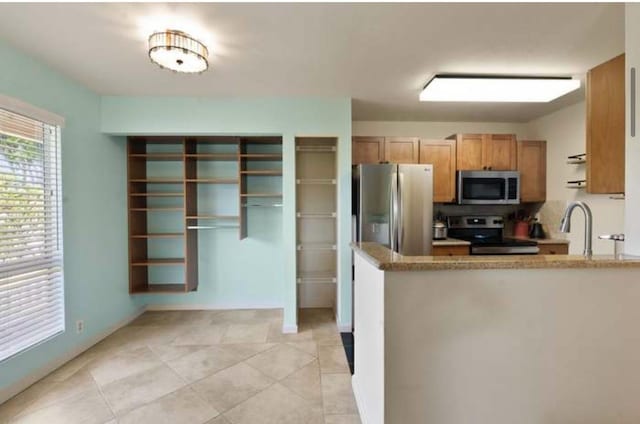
[
  {"x": 469, "y": 155},
  {"x": 484, "y": 152},
  {"x": 401, "y": 149},
  {"x": 442, "y": 155},
  {"x": 605, "y": 127},
  {"x": 500, "y": 152},
  {"x": 384, "y": 149},
  {"x": 367, "y": 150},
  {"x": 532, "y": 164}
]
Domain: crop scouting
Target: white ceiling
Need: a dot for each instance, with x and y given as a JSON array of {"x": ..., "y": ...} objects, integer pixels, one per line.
[{"x": 378, "y": 54}]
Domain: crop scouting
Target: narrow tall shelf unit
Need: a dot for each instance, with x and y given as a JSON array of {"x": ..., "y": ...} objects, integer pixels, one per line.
[
  {"x": 316, "y": 229},
  {"x": 165, "y": 178},
  {"x": 260, "y": 175}
]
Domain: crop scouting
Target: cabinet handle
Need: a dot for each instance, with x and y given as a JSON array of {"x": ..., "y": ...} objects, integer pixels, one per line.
[{"x": 632, "y": 105}]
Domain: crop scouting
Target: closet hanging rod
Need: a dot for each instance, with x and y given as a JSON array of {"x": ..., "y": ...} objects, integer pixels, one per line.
[
  {"x": 210, "y": 227},
  {"x": 275, "y": 205}
]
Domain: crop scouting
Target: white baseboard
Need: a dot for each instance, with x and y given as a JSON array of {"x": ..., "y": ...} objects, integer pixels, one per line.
[
  {"x": 290, "y": 329},
  {"x": 15, "y": 388},
  {"x": 362, "y": 410},
  {"x": 190, "y": 307}
]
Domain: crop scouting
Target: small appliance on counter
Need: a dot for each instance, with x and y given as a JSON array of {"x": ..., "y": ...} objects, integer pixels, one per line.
[
  {"x": 486, "y": 235},
  {"x": 440, "y": 228},
  {"x": 536, "y": 231}
]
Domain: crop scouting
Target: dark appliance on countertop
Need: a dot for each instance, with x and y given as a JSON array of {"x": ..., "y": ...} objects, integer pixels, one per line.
[
  {"x": 485, "y": 233},
  {"x": 488, "y": 187}
]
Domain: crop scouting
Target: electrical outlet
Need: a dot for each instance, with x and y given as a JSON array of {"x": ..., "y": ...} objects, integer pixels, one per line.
[{"x": 79, "y": 326}]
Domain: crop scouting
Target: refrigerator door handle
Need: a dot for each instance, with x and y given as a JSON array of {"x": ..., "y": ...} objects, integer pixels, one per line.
[
  {"x": 399, "y": 208},
  {"x": 393, "y": 211}
]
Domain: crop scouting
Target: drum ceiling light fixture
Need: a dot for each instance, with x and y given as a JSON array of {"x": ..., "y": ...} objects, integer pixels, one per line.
[{"x": 177, "y": 51}]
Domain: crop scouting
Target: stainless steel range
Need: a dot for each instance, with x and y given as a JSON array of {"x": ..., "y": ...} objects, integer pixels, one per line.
[{"x": 486, "y": 236}]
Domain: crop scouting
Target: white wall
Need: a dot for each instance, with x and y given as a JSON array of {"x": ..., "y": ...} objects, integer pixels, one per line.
[
  {"x": 565, "y": 132},
  {"x": 535, "y": 346},
  {"x": 434, "y": 129}
]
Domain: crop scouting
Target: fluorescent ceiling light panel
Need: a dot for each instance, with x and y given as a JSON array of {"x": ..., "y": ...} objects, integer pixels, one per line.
[{"x": 450, "y": 88}]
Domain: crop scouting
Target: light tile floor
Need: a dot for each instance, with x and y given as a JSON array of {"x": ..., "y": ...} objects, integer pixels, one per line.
[{"x": 200, "y": 367}]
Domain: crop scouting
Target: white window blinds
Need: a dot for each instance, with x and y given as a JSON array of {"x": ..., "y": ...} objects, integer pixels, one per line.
[{"x": 31, "y": 278}]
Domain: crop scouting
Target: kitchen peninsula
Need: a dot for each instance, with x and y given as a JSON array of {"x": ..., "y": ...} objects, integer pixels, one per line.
[{"x": 495, "y": 339}]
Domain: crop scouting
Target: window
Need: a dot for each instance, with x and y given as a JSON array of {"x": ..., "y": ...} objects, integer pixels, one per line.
[{"x": 31, "y": 278}]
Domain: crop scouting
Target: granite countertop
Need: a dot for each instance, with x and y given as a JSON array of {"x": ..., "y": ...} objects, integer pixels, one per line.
[
  {"x": 385, "y": 259},
  {"x": 450, "y": 242}
]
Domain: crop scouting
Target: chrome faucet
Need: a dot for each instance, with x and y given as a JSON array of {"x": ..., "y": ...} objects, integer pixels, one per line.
[{"x": 565, "y": 224}]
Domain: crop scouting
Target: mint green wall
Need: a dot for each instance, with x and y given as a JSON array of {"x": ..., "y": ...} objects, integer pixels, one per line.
[
  {"x": 261, "y": 269},
  {"x": 94, "y": 215}
]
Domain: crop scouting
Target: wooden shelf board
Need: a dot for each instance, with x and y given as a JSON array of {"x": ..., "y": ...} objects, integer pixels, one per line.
[
  {"x": 157, "y": 139},
  {"x": 162, "y": 288},
  {"x": 212, "y": 180},
  {"x": 157, "y": 235},
  {"x": 317, "y": 277},
  {"x": 328, "y": 215},
  {"x": 265, "y": 172},
  {"x": 213, "y": 156},
  {"x": 163, "y": 261},
  {"x": 158, "y": 181},
  {"x": 212, "y": 217},
  {"x": 159, "y": 194},
  {"x": 169, "y": 157},
  {"x": 316, "y": 246},
  {"x": 261, "y": 195},
  {"x": 316, "y": 181}
]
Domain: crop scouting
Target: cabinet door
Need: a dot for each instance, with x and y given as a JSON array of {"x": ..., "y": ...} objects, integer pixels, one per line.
[
  {"x": 401, "y": 149},
  {"x": 367, "y": 150},
  {"x": 499, "y": 152},
  {"x": 532, "y": 164},
  {"x": 469, "y": 152},
  {"x": 450, "y": 251},
  {"x": 605, "y": 127},
  {"x": 442, "y": 155},
  {"x": 553, "y": 249}
]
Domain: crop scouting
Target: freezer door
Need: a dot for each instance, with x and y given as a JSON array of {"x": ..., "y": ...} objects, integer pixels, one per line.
[
  {"x": 374, "y": 215},
  {"x": 415, "y": 209}
]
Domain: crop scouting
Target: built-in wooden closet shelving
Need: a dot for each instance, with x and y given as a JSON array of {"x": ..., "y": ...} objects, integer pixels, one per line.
[
  {"x": 260, "y": 159},
  {"x": 163, "y": 181},
  {"x": 316, "y": 201}
]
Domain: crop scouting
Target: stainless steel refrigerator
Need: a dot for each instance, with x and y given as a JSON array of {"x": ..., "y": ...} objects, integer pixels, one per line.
[{"x": 393, "y": 206}]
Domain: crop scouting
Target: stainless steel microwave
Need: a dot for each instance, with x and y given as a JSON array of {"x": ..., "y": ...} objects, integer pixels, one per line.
[{"x": 488, "y": 187}]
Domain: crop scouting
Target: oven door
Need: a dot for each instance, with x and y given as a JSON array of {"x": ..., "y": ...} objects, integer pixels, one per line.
[{"x": 482, "y": 188}]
